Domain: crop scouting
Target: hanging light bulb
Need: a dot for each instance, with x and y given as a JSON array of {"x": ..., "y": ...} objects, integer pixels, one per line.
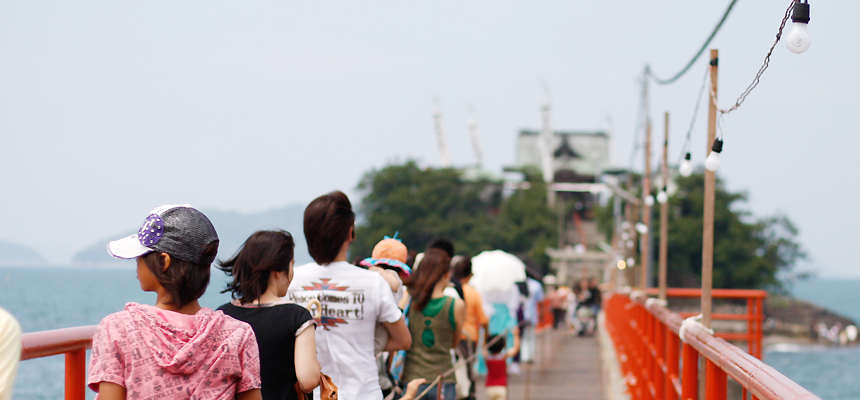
[
  {"x": 621, "y": 264},
  {"x": 662, "y": 197},
  {"x": 712, "y": 163},
  {"x": 649, "y": 200},
  {"x": 631, "y": 262},
  {"x": 630, "y": 244},
  {"x": 641, "y": 228},
  {"x": 797, "y": 39},
  {"x": 686, "y": 168},
  {"x": 625, "y": 236}
]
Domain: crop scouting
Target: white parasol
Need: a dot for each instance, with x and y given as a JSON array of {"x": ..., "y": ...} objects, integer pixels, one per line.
[{"x": 496, "y": 271}]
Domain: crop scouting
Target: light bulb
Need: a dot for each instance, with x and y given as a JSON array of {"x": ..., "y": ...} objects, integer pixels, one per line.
[
  {"x": 630, "y": 244},
  {"x": 649, "y": 200},
  {"x": 712, "y": 163},
  {"x": 662, "y": 197},
  {"x": 631, "y": 262},
  {"x": 797, "y": 39},
  {"x": 686, "y": 168},
  {"x": 641, "y": 228},
  {"x": 625, "y": 236},
  {"x": 621, "y": 264},
  {"x": 625, "y": 225}
]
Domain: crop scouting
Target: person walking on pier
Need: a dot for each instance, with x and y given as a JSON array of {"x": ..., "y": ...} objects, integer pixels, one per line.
[
  {"x": 262, "y": 270},
  {"x": 175, "y": 349},
  {"x": 353, "y": 300},
  {"x": 435, "y": 323}
]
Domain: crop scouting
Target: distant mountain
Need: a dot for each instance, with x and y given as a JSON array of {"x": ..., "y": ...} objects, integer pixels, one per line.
[
  {"x": 15, "y": 254},
  {"x": 232, "y": 227}
]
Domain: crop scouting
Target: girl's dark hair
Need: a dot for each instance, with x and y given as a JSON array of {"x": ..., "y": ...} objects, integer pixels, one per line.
[
  {"x": 498, "y": 346},
  {"x": 327, "y": 222},
  {"x": 262, "y": 253},
  {"x": 184, "y": 281},
  {"x": 431, "y": 269},
  {"x": 462, "y": 268}
]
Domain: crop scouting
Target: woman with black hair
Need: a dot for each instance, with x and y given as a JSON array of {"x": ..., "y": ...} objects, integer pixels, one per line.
[
  {"x": 261, "y": 272},
  {"x": 435, "y": 322}
]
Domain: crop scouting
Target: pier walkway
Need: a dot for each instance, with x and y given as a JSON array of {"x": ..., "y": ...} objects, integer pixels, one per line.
[{"x": 566, "y": 367}]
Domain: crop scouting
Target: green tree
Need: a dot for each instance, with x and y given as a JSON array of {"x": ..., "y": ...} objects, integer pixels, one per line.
[
  {"x": 422, "y": 204},
  {"x": 749, "y": 253}
]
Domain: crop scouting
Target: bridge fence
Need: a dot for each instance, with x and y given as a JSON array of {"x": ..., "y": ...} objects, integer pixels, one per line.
[{"x": 660, "y": 360}]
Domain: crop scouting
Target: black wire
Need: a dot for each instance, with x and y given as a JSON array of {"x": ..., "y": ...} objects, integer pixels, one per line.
[{"x": 698, "y": 54}]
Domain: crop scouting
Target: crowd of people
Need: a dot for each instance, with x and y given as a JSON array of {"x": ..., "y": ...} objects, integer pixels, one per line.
[{"x": 398, "y": 324}]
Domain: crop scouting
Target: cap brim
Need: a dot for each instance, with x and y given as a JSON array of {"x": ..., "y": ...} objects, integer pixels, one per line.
[{"x": 127, "y": 248}]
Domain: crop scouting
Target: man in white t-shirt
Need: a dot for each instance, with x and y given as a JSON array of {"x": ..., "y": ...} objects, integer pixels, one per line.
[{"x": 353, "y": 300}]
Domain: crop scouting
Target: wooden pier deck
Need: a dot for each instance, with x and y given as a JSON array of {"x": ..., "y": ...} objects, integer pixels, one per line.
[{"x": 565, "y": 368}]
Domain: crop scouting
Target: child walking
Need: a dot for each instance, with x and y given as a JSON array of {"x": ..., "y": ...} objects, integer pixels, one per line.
[
  {"x": 175, "y": 349},
  {"x": 262, "y": 271},
  {"x": 497, "y": 368}
]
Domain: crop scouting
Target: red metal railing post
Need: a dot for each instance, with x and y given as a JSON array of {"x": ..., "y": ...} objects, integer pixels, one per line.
[
  {"x": 660, "y": 370},
  {"x": 759, "y": 334},
  {"x": 672, "y": 349},
  {"x": 716, "y": 382},
  {"x": 690, "y": 376},
  {"x": 76, "y": 374}
]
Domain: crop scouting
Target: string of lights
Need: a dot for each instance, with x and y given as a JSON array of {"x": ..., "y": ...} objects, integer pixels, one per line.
[
  {"x": 799, "y": 13},
  {"x": 764, "y": 66},
  {"x": 698, "y": 53},
  {"x": 686, "y": 168}
]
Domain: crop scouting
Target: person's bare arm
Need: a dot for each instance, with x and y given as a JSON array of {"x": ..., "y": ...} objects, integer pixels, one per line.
[
  {"x": 399, "y": 337},
  {"x": 459, "y": 318},
  {"x": 412, "y": 389},
  {"x": 253, "y": 394},
  {"x": 390, "y": 277},
  {"x": 307, "y": 365},
  {"x": 516, "y": 347},
  {"x": 111, "y": 391}
]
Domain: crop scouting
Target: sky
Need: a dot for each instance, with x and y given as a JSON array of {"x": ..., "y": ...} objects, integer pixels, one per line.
[{"x": 108, "y": 109}]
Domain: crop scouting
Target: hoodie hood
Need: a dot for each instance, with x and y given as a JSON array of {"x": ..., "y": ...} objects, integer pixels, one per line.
[{"x": 174, "y": 338}]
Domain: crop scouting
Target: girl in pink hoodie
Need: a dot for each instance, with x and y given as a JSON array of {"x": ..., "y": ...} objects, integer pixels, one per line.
[{"x": 175, "y": 349}]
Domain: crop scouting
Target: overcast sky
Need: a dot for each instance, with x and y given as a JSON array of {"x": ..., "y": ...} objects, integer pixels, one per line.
[{"x": 110, "y": 108}]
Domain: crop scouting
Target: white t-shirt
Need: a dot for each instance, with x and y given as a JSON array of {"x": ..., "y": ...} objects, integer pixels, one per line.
[{"x": 353, "y": 300}]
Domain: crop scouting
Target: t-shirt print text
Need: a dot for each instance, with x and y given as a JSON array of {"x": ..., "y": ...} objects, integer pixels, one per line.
[{"x": 339, "y": 305}]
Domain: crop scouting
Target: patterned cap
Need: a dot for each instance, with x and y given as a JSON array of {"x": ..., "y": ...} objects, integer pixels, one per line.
[{"x": 178, "y": 230}]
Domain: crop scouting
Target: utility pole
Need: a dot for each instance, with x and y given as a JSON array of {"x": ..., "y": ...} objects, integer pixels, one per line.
[
  {"x": 664, "y": 214},
  {"x": 710, "y": 183},
  {"x": 645, "y": 251}
]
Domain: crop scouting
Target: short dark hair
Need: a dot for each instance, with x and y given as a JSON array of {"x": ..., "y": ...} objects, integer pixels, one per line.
[
  {"x": 498, "y": 346},
  {"x": 328, "y": 220},
  {"x": 262, "y": 253},
  {"x": 443, "y": 244},
  {"x": 462, "y": 268},
  {"x": 184, "y": 281}
]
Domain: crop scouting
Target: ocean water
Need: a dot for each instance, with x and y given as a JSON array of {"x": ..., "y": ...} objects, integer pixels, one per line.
[{"x": 53, "y": 298}]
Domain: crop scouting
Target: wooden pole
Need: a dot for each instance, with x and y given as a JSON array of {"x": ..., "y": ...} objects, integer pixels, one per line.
[
  {"x": 629, "y": 212},
  {"x": 710, "y": 183},
  {"x": 664, "y": 215},
  {"x": 645, "y": 251}
]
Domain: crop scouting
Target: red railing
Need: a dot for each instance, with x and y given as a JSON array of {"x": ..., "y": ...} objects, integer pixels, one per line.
[
  {"x": 657, "y": 364},
  {"x": 73, "y": 342},
  {"x": 754, "y": 315}
]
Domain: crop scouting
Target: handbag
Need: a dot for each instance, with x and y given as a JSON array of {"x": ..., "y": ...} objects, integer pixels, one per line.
[
  {"x": 328, "y": 391},
  {"x": 397, "y": 360}
]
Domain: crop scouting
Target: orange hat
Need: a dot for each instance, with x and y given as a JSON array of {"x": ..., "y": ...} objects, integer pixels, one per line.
[{"x": 390, "y": 249}]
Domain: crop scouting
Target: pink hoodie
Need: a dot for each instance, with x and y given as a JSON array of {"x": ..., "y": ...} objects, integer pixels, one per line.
[{"x": 159, "y": 354}]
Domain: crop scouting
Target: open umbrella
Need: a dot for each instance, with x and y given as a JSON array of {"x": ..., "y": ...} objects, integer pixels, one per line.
[{"x": 496, "y": 271}]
